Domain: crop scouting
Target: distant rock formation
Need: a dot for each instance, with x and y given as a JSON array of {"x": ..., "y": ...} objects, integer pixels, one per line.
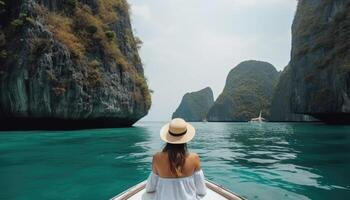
[
  {"x": 248, "y": 90},
  {"x": 280, "y": 105},
  {"x": 194, "y": 106},
  {"x": 320, "y": 60},
  {"x": 69, "y": 64}
]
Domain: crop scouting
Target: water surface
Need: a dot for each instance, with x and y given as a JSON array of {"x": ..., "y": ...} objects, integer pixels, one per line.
[{"x": 267, "y": 161}]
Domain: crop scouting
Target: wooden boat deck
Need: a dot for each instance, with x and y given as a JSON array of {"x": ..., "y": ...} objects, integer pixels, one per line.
[{"x": 214, "y": 192}]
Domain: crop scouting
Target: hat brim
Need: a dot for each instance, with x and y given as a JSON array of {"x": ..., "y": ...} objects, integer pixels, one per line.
[{"x": 166, "y": 137}]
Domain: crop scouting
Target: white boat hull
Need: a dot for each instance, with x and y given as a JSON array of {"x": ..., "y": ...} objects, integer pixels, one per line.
[{"x": 214, "y": 192}]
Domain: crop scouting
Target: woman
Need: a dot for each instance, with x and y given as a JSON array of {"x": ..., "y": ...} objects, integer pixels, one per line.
[{"x": 176, "y": 173}]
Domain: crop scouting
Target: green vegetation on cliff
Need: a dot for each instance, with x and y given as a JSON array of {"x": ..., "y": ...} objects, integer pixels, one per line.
[
  {"x": 194, "y": 106},
  {"x": 248, "y": 91},
  {"x": 81, "y": 30},
  {"x": 78, "y": 59}
]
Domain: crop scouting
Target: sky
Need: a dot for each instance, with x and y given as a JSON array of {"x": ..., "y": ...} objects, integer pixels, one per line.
[{"x": 192, "y": 44}]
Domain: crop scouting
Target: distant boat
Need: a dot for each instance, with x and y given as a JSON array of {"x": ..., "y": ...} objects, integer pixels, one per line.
[
  {"x": 258, "y": 119},
  {"x": 214, "y": 192}
]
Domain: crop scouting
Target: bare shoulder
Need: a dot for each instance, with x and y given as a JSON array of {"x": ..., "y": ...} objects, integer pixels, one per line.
[
  {"x": 195, "y": 160},
  {"x": 155, "y": 162},
  {"x": 156, "y": 159},
  {"x": 194, "y": 156},
  {"x": 157, "y": 155}
]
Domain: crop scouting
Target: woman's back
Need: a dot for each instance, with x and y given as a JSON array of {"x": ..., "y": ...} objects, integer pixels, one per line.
[
  {"x": 187, "y": 185},
  {"x": 176, "y": 174},
  {"x": 161, "y": 165}
]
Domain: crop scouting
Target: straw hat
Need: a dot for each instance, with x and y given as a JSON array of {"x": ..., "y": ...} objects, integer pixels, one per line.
[{"x": 178, "y": 131}]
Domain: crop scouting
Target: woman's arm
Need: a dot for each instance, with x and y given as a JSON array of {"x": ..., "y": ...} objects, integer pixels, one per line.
[
  {"x": 199, "y": 179},
  {"x": 154, "y": 163},
  {"x": 152, "y": 180}
]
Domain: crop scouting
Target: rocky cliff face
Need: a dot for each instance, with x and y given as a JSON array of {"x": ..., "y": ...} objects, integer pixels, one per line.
[
  {"x": 248, "y": 90},
  {"x": 280, "y": 104},
  {"x": 69, "y": 63},
  {"x": 320, "y": 62},
  {"x": 194, "y": 106}
]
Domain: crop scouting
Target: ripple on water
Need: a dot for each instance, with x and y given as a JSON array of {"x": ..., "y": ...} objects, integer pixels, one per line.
[{"x": 257, "y": 161}]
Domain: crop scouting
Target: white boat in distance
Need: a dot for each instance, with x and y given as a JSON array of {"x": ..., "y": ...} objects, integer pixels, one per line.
[
  {"x": 258, "y": 119},
  {"x": 214, "y": 192}
]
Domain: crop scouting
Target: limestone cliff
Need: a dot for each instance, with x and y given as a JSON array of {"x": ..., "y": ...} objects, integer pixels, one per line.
[
  {"x": 280, "y": 104},
  {"x": 320, "y": 60},
  {"x": 69, "y": 64},
  {"x": 194, "y": 106},
  {"x": 248, "y": 90}
]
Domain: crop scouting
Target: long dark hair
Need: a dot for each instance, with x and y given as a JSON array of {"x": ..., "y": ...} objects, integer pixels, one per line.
[{"x": 177, "y": 156}]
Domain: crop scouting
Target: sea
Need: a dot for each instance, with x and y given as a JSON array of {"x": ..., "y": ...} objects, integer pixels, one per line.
[{"x": 257, "y": 161}]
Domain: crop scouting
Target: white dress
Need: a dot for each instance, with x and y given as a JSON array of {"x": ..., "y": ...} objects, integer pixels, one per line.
[{"x": 185, "y": 188}]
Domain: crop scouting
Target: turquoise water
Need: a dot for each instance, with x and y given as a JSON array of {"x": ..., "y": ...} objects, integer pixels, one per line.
[{"x": 268, "y": 161}]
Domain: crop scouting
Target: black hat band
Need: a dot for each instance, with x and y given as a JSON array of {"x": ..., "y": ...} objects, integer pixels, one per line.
[{"x": 177, "y": 134}]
